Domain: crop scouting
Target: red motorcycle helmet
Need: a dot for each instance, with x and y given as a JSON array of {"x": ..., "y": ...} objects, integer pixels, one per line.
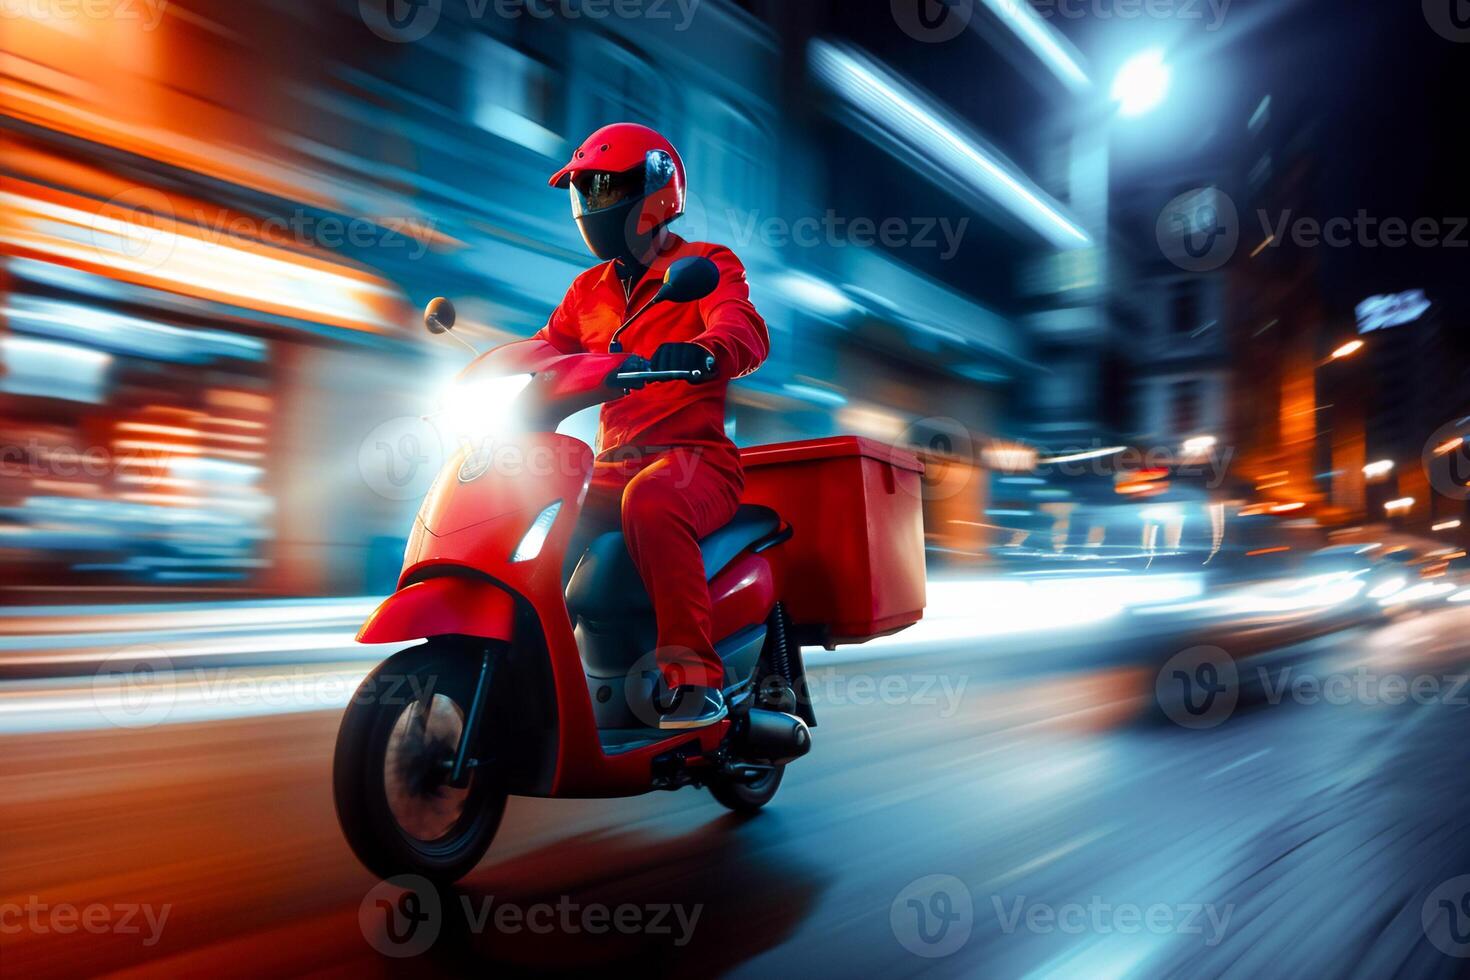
[{"x": 626, "y": 181}]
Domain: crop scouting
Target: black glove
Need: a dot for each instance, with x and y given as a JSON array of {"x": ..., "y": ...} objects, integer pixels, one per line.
[{"x": 685, "y": 357}]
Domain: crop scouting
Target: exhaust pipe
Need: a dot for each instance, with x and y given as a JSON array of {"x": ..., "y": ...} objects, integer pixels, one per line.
[{"x": 774, "y": 736}]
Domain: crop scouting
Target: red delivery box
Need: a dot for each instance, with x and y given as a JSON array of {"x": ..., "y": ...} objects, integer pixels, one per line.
[{"x": 854, "y": 566}]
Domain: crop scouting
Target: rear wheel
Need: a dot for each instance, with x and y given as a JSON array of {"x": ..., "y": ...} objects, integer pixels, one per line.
[
  {"x": 391, "y": 772},
  {"x": 747, "y": 796}
]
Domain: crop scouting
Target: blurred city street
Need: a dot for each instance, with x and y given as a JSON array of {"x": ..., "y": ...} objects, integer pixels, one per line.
[
  {"x": 1031, "y": 778},
  {"x": 1065, "y": 402}
]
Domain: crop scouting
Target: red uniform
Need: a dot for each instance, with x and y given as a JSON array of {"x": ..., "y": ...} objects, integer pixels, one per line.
[{"x": 665, "y": 464}]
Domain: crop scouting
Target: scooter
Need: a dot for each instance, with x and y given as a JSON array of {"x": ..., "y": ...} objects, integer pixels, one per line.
[{"x": 534, "y": 676}]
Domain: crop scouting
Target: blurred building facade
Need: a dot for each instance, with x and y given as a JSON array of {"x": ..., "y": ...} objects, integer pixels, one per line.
[
  {"x": 219, "y": 226},
  {"x": 1348, "y": 391}
]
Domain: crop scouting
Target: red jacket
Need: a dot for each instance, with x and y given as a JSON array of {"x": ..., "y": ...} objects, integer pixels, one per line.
[{"x": 671, "y": 413}]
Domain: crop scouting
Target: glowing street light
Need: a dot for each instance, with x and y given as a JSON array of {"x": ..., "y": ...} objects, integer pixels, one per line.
[
  {"x": 1378, "y": 468},
  {"x": 1141, "y": 83},
  {"x": 1347, "y": 349}
]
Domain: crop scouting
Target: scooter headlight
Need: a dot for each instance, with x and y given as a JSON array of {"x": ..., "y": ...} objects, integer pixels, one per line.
[
  {"x": 483, "y": 407},
  {"x": 530, "y": 545}
]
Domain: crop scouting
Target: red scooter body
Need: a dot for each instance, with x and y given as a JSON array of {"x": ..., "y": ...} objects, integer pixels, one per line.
[
  {"x": 458, "y": 577},
  {"x": 534, "y": 682}
]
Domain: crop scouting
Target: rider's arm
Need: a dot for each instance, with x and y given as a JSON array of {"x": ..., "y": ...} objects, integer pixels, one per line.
[
  {"x": 561, "y": 329},
  {"x": 733, "y": 331}
]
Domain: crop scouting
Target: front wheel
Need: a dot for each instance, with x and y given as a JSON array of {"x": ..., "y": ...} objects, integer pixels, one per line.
[{"x": 390, "y": 776}]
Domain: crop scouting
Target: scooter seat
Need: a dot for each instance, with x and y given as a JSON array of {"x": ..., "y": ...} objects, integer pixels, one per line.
[{"x": 606, "y": 584}]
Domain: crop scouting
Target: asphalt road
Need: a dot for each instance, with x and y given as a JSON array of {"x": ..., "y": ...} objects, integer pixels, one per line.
[{"x": 957, "y": 817}]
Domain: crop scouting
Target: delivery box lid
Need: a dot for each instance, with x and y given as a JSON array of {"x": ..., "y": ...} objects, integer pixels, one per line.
[{"x": 832, "y": 447}]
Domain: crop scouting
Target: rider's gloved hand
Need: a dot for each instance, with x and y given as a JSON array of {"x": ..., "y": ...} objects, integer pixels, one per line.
[
  {"x": 685, "y": 357},
  {"x": 630, "y": 363}
]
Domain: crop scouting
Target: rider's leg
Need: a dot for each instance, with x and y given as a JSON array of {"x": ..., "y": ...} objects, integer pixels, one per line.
[{"x": 680, "y": 497}]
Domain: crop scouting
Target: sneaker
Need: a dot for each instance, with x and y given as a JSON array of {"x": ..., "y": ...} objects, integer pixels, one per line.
[{"x": 693, "y": 706}]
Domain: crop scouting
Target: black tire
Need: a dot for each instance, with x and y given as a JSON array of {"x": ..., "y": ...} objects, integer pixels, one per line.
[
  {"x": 436, "y": 680},
  {"x": 747, "y": 797}
]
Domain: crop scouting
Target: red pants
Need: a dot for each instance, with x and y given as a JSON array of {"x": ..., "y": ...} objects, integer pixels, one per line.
[{"x": 667, "y": 502}]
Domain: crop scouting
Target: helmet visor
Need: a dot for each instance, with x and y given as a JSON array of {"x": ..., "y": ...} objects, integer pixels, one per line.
[{"x": 598, "y": 190}]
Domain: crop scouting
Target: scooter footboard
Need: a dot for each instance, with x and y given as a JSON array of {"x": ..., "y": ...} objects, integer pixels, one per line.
[{"x": 446, "y": 605}]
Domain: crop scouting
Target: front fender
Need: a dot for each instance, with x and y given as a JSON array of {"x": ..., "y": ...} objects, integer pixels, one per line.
[{"x": 438, "y": 606}]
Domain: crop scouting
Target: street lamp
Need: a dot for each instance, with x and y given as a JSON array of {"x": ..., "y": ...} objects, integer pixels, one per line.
[
  {"x": 1347, "y": 349},
  {"x": 1141, "y": 83}
]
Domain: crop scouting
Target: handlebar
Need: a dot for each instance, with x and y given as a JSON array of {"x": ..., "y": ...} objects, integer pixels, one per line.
[{"x": 641, "y": 374}]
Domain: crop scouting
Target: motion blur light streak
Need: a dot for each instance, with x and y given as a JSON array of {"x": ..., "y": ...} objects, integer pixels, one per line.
[
  {"x": 1422, "y": 592},
  {"x": 976, "y": 608},
  {"x": 1043, "y": 41},
  {"x": 823, "y": 297},
  {"x": 30, "y": 707},
  {"x": 1080, "y": 456},
  {"x": 174, "y": 255},
  {"x": 901, "y": 113},
  {"x": 1388, "y": 588}
]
